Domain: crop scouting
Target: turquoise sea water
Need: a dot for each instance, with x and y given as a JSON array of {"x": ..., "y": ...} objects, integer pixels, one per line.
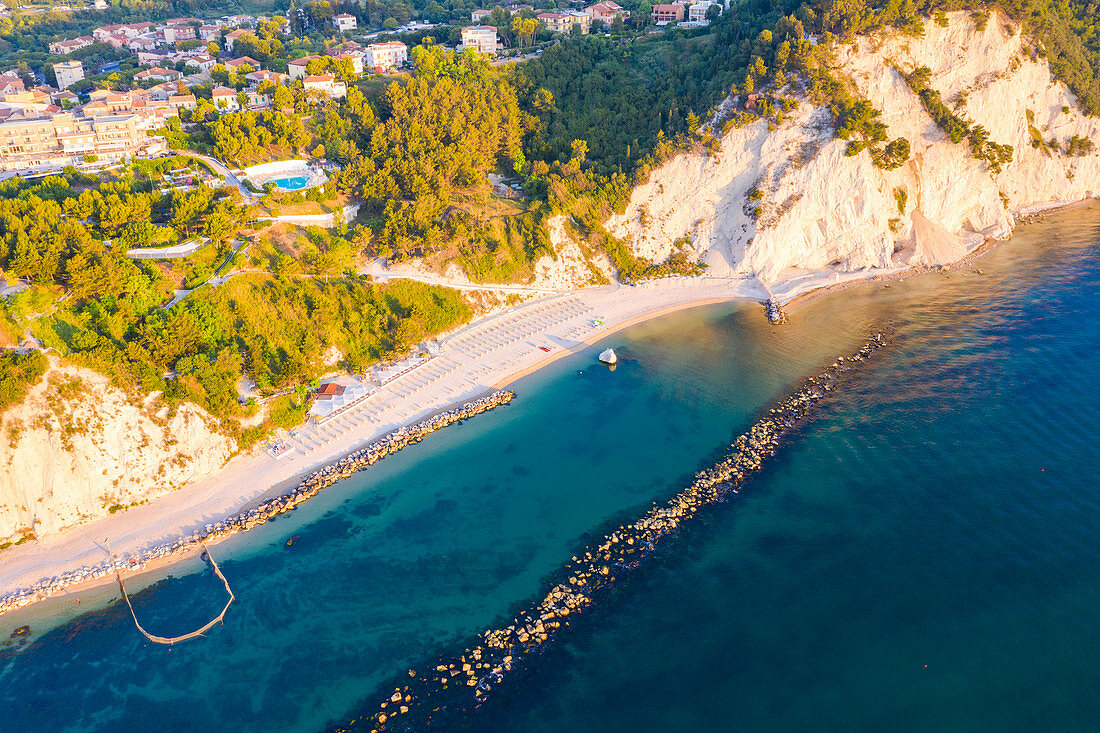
[{"x": 944, "y": 510}]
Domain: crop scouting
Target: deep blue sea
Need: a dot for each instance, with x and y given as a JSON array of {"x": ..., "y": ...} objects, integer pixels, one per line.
[{"x": 923, "y": 555}]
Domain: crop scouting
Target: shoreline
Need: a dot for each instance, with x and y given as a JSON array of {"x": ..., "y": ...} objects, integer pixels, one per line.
[
  {"x": 49, "y": 585},
  {"x": 612, "y": 330},
  {"x": 43, "y": 562},
  {"x": 424, "y": 696},
  {"x": 248, "y": 519}
]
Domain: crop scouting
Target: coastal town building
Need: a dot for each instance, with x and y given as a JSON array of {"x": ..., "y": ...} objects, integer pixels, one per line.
[
  {"x": 64, "y": 99},
  {"x": 154, "y": 57},
  {"x": 158, "y": 73},
  {"x": 29, "y": 141},
  {"x": 326, "y": 84},
  {"x": 64, "y": 48},
  {"x": 225, "y": 99},
  {"x": 231, "y": 38},
  {"x": 175, "y": 33},
  {"x": 388, "y": 55},
  {"x": 344, "y": 22},
  {"x": 126, "y": 30},
  {"x": 236, "y": 64},
  {"x": 665, "y": 14},
  {"x": 143, "y": 43},
  {"x": 239, "y": 21},
  {"x": 209, "y": 32},
  {"x": 564, "y": 22},
  {"x": 297, "y": 67},
  {"x": 356, "y": 59},
  {"x": 10, "y": 83},
  {"x": 202, "y": 62},
  {"x": 68, "y": 73},
  {"x": 697, "y": 12},
  {"x": 276, "y": 78},
  {"x": 182, "y": 101},
  {"x": 35, "y": 100},
  {"x": 480, "y": 14},
  {"x": 607, "y": 11},
  {"x": 480, "y": 38}
]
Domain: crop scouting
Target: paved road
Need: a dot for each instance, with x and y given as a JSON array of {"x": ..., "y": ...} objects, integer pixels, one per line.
[{"x": 221, "y": 169}]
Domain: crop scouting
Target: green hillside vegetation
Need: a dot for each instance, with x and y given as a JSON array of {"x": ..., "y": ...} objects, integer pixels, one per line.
[
  {"x": 957, "y": 129},
  {"x": 18, "y": 372},
  {"x": 576, "y": 128},
  {"x": 104, "y": 310}
]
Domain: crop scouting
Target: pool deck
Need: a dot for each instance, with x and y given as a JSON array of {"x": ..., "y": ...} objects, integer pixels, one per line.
[{"x": 312, "y": 177}]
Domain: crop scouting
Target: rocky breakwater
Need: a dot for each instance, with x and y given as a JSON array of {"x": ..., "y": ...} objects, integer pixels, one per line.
[
  {"x": 245, "y": 521},
  {"x": 774, "y": 312},
  {"x": 455, "y": 684}
]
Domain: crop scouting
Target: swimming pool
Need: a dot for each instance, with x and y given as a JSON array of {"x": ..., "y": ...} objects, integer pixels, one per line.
[{"x": 291, "y": 183}]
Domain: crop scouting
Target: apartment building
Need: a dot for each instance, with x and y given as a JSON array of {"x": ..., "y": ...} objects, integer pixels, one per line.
[
  {"x": 225, "y": 99},
  {"x": 297, "y": 67},
  {"x": 480, "y": 38},
  {"x": 326, "y": 84},
  {"x": 344, "y": 22},
  {"x": 63, "y": 48},
  {"x": 563, "y": 22},
  {"x": 607, "y": 11},
  {"x": 698, "y": 11},
  {"x": 28, "y": 142},
  {"x": 388, "y": 55},
  {"x": 68, "y": 73},
  {"x": 157, "y": 74},
  {"x": 169, "y": 34},
  {"x": 231, "y": 38},
  {"x": 665, "y": 14}
]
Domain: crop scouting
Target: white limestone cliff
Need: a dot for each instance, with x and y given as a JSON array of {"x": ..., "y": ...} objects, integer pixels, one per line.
[
  {"x": 76, "y": 447},
  {"x": 822, "y": 210}
]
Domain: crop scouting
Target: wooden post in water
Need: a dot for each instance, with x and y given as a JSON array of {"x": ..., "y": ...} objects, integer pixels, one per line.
[{"x": 194, "y": 634}]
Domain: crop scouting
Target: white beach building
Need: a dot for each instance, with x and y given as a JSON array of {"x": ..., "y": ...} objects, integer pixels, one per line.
[{"x": 332, "y": 399}]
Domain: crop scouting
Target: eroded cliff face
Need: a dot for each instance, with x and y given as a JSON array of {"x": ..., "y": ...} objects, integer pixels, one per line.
[
  {"x": 819, "y": 209},
  {"x": 76, "y": 447}
]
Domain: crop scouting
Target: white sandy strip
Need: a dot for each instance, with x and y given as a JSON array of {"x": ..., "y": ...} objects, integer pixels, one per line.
[{"x": 471, "y": 361}]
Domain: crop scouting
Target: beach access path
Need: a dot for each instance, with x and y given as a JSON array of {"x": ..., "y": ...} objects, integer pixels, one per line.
[{"x": 484, "y": 354}]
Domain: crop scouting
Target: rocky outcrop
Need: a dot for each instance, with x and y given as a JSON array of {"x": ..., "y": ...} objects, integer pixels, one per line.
[
  {"x": 819, "y": 209},
  {"x": 77, "y": 448},
  {"x": 259, "y": 515},
  {"x": 573, "y": 267}
]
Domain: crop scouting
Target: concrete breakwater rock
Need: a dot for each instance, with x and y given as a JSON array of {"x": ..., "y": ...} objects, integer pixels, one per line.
[
  {"x": 774, "y": 312},
  {"x": 455, "y": 684},
  {"x": 245, "y": 521}
]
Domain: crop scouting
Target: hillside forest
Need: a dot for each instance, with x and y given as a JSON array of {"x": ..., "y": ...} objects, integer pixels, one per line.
[{"x": 576, "y": 128}]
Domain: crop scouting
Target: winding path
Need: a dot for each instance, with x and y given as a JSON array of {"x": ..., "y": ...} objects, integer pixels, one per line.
[{"x": 221, "y": 169}]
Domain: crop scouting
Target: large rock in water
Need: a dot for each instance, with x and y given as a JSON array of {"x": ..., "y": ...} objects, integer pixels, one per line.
[{"x": 607, "y": 356}]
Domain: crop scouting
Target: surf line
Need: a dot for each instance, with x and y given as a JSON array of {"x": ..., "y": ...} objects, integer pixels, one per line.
[
  {"x": 194, "y": 634},
  {"x": 457, "y": 684}
]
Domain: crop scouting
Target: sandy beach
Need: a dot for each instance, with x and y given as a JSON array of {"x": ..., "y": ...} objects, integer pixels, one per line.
[{"x": 490, "y": 352}]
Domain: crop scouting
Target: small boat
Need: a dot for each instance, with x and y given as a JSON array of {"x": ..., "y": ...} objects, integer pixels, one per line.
[{"x": 607, "y": 356}]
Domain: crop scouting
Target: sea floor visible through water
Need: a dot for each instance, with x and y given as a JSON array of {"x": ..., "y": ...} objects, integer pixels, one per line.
[{"x": 922, "y": 555}]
